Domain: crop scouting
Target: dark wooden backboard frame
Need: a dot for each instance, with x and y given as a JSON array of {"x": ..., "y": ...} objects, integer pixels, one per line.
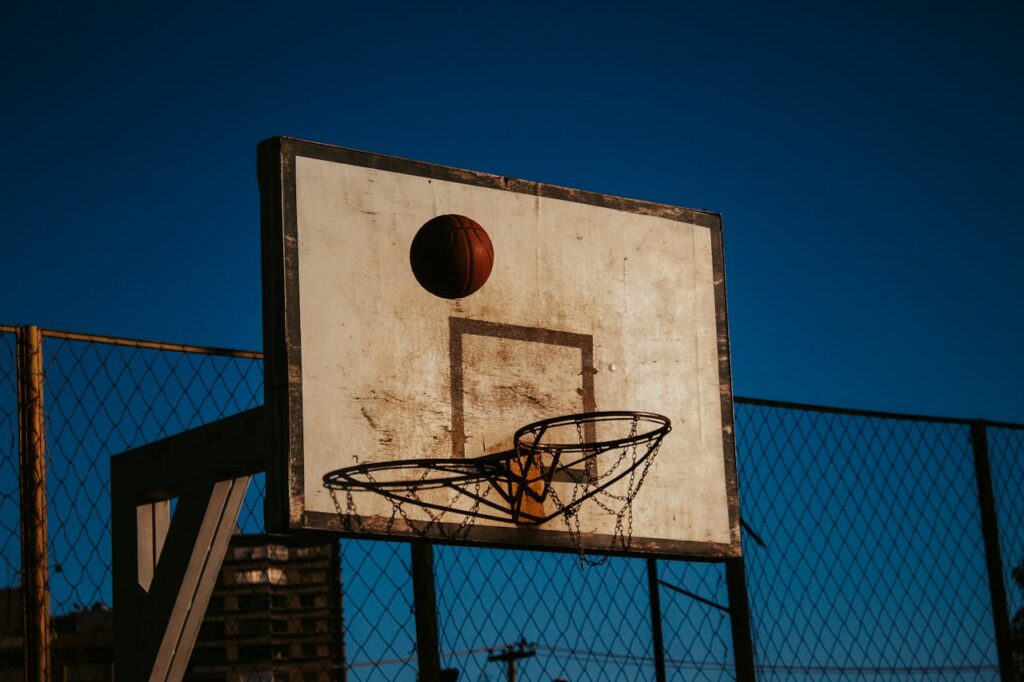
[{"x": 282, "y": 342}]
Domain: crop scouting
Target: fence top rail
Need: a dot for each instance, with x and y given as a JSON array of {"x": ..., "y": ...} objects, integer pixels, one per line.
[
  {"x": 139, "y": 343},
  {"x": 763, "y": 402},
  {"x": 875, "y": 414}
]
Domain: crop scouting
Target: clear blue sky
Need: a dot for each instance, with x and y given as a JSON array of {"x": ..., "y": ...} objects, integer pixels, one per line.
[{"x": 867, "y": 158}]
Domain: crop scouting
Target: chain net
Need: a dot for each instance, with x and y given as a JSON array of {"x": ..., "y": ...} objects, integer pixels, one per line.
[
  {"x": 600, "y": 459},
  {"x": 864, "y": 553}
]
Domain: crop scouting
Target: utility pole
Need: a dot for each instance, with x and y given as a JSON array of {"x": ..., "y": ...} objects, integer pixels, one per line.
[{"x": 511, "y": 653}]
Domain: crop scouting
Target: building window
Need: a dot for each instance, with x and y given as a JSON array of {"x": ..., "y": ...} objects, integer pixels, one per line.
[
  {"x": 307, "y": 601},
  {"x": 308, "y": 576},
  {"x": 253, "y": 652},
  {"x": 272, "y": 575},
  {"x": 208, "y": 655},
  {"x": 258, "y": 676},
  {"x": 258, "y": 552},
  {"x": 253, "y": 602},
  {"x": 211, "y": 629},
  {"x": 309, "y": 552},
  {"x": 249, "y": 628}
]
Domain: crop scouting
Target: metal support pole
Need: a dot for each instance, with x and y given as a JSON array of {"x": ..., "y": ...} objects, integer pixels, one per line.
[
  {"x": 655, "y": 596},
  {"x": 739, "y": 619},
  {"x": 337, "y": 630},
  {"x": 425, "y": 610},
  {"x": 32, "y": 462},
  {"x": 993, "y": 552}
]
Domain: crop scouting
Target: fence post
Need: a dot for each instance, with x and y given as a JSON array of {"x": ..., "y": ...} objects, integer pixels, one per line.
[
  {"x": 739, "y": 619},
  {"x": 35, "y": 584},
  {"x": 659, "y": 642},
  {"x": 424, "y": 600},
  {"x": 993, "y": 552}
]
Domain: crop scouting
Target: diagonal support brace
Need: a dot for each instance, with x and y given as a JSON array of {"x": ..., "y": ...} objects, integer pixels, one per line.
[{"x": 165, "y": 568}]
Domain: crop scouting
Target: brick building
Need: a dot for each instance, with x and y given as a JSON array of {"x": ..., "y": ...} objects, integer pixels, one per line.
[{"x": 275, "y": 614}]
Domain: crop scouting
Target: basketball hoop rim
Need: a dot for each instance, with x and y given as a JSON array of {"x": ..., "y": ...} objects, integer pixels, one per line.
[
  {"x": 543, "y": 425},
  {"x": 494, "y": 467},
  {"x": 471, "y": 470}
]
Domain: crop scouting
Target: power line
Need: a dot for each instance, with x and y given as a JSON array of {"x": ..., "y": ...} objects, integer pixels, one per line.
[
  {"x": 701, "y": 665},
  {"x": 512, "y": 653}
]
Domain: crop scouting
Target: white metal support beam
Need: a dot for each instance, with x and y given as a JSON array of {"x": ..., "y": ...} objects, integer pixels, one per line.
[{"x": 165, "y": 568}]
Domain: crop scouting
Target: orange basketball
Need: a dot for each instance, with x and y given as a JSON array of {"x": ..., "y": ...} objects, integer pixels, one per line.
[{"x": 451, "y": 256}]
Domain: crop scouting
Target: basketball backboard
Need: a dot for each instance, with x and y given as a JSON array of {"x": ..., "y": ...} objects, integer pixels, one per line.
[{"x": 594, "y": 302}]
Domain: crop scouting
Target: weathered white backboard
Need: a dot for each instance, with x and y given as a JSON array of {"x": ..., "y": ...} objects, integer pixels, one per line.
[{"x": 594, "y": 303}]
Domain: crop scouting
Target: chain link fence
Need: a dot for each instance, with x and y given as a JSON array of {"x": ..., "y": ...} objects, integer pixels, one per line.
[
  {"x": 10, "y": 500},
  {"x": 1006, "y": 446},
  {"x": 864, "y": 552},
  {"x": 873, "y": 562},
  {"x": 101, "y": 399}
]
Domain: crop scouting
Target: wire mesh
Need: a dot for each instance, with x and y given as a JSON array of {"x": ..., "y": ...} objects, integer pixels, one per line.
[
  {"x": 380, "y": 633},
  {"x": 103, "y": 398},
  {"x": 589, "y": 623},
  {"x": 874, "y": 563},
  {"x": 1006, "y": 453},
  {"x": 695, "y": 618},
  {"x": 10, "y": 515}
]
